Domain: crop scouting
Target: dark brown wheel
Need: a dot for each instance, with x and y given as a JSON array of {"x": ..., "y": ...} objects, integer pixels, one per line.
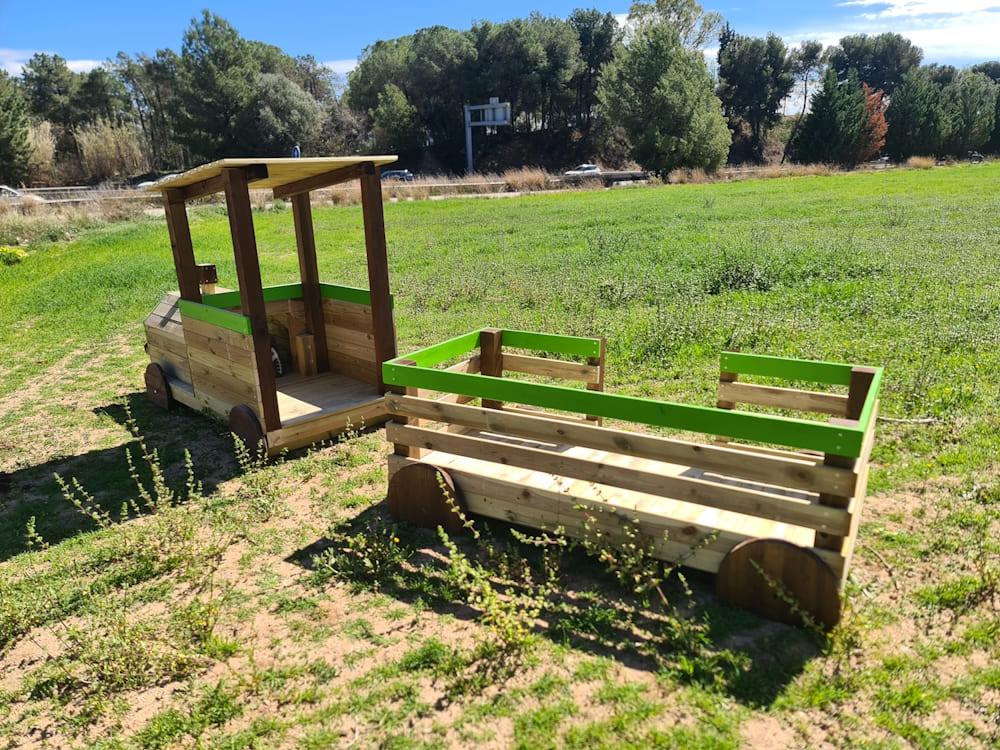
[
  {"x": 418, "y": 495},
  {"x": 157, "y": 386},
  {"x": 244, "y": 424},
  {"x": 779, "y": 580}
]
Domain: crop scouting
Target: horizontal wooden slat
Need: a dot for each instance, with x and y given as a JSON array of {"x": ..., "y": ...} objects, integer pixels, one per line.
[
  {"x": 348, "y": 314},
  {"x": 231, "y": 338},
  {"x": 173, "y": 366},
  {"x": 246, "y": 373},
  {"x": 700, "y": 491},
  {"x": 551, "y": 368},
  {"x": 466, "y": 365},
  {"x": 168, "y": 342},
  {"x": 783, "y": 398},
  {"x": 326, "y": 426},
  {"x": 734, "y": 462},
  {"x": 218, "y": 347}
]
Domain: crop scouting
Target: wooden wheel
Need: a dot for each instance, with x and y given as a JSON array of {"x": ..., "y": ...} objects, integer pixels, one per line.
[
  {"x": 752, "y": 571},
  {"x": 157, "y": 386},
  {"x": 417, "y": 495},
  {"x": 244, "y": 424}
]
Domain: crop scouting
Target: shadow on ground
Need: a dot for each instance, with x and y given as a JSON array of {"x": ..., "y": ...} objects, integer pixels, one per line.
[
  {"x": 592, "y": 614},
  {"x": 33, "y": 491}
]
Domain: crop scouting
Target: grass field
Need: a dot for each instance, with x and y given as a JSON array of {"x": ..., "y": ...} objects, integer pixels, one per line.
[{"x": 199, "y": 617}]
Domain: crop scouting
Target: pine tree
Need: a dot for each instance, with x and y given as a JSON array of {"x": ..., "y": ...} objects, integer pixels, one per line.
[
  {"x": 833, "y": 131},
  {"x": 14, "y": 148}
]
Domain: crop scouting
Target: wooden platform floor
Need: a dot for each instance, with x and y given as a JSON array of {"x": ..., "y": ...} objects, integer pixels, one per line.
[
  {"x": 304, "y": 398},
  {"x": 532, "y": 498}
]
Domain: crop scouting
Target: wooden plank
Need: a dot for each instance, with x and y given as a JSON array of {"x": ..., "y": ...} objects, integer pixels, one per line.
[
  {"x": 362, "y": 341},
  {"x": 216, "y": 184},
  {"x": 251, "y": 289},
  {"x": 319, "y": 181},
  {"x": 858, "y": 500},
  {"x": 204, "y": 376},
  {"x": 235, "y": 354},
  {"x": 551, "y": 368},
  {"x": 348, "y": 315},
  {"x": 466, "y": 365},
  {"x": 174, "y": 366},
  {"x": 224, "y": 366},
  {"x": 170, "y": 343},
  {"x": 857, "y": 391},
  {"x": 305, "y": 242},
  {"x": 215, "y": 333},
  {"x": 783, "y": 398},
  {"x": 491, "y": 358},
  {"x": 304, "y": 353},
  {"x": 326, "y": 427},
  {"x": 700, "y": 491},
  {"x": 352, "y": 367},
  {"x": 180, "y": 244},
  {"x": 184, "y": 393},
  {"x": 378, "y": 268},
  {"x": 726, "y": 461}
]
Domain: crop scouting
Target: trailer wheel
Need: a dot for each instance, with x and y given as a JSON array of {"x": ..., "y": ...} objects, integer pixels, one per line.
[
  {"x": 157, "y": 386},
  {"x": 780, "y": 581},
  {"x": 243, "y": 423},
  {"x": 418, "y": 494}
]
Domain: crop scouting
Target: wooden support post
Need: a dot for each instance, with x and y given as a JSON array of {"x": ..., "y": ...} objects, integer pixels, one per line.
[
  {"x": 312, "y": 299},
  {"x": 180, "y": 244},
  {"x": 491, "y": 359},
  {"x": 598, "y": 362},
  {"x": 408, "y": 451},
  {"x": 304, "y": 353},
  {"x": 861, "y": 380},
  {"x": 378, "y": 268},
  {"x": 208, "y": 277},
  {"x": 251, "y": 290},
  {"x": 725, "y": 377}
]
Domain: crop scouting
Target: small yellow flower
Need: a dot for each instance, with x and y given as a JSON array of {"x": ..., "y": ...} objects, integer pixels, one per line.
[{"x": 395, "y": 540}]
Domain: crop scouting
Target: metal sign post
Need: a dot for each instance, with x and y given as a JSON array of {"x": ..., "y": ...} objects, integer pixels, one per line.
[{"x": 490, "y": 115}]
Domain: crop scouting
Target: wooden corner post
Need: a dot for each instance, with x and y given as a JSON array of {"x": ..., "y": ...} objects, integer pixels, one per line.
[
  {"x": 378, "y": 268},
  {"x": 251, "y": 289},
  {"x": 491, "y": 359},
  {"x": 180, "y": 245},
  {"x": 857, "y": 393},
  {"x": 312, "y": 299}
]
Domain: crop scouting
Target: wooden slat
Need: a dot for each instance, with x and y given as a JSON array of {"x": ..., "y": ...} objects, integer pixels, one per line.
[
  {"x": 173, "y": 365},
  {"x": 783, "y": 398},
  {"x": 171, "y": 343},
  {"x": 184, "y": 393},
  {"x": 551, "y": 368},
  {"x": 352, "y": 367},
  {"x": 246, "y": 373},
  {"x": 734, "y": 462},
  {"x": 236, "y": 354},
  {"x": 383, "y": 326},
  {"x": 215, "y": 333},
  {"x": 348, "y": 315},
  {"x": 699, "y": 491},
  {"x": 217, "y": 184},
  {"x": 326, "y": 427},
  {"x": 600, "y": 362},
  {"x": 316, "y": 182}
]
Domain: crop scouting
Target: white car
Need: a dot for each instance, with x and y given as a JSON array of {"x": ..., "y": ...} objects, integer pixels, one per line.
[{"x": 584, "y": 170}]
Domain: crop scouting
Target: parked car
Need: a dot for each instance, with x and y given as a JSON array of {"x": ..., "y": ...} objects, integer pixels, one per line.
[
  {"x": 584, "y": 170},
  {"x": 399, "y": 175}
]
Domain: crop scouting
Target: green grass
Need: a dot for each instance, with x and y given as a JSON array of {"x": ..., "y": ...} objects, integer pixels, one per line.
[{"x": 895, "y": 269}]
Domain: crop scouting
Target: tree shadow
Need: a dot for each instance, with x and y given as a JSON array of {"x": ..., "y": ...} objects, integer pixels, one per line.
[
  {"x": 748, "y": 659},
  {"x": 33, "y": 491}
]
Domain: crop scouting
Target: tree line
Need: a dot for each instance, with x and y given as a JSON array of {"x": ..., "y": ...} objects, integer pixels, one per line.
[{"x": 582, "y": 88}]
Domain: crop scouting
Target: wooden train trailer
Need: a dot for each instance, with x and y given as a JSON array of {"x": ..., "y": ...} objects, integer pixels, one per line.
[
  {"x": 770, "y": 502},
  {"x": 287, "y": 365}
]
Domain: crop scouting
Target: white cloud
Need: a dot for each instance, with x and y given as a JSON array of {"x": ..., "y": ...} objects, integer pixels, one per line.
[
  {"x": 13, "y": 61},
  {"x": 343, "y": 67},
  {"x": 946, "y": 33}
]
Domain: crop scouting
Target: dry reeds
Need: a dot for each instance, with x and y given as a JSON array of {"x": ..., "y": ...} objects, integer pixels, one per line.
[
  {"x": 526, "y": 179},
  {"x": 920, "y": 162},
  {"x": 42, "y": 159},
  {"x": 108, "y": 150}
]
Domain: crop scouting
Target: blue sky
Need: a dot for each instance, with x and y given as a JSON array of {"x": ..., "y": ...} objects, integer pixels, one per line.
[{"x": 86, "y": 33}]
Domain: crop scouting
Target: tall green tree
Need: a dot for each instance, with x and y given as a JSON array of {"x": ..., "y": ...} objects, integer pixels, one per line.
[
  {"x": 807, "y": 66},
  {"x": 49, "y": 86},
  {"x": 151, "y": 83},
  {"x": 395, "y": 122},
  {"x": 14, "y": 148},
  {"x": 833, "y": 131},
  {"x": 695, "y": 26},
  {"x": 100, "y": 95},
  {"x": 991, "y": 69},
  {"x": 599, "y": 35},
  {"x": 662, "y": 95},
  {"x": 916, "y": 117},
  {"x": 755, "y": 76},
  {"x": 971, "y": 104},
  {"x": 279, "y": 115},
  {"x": 880, "y": 60}
]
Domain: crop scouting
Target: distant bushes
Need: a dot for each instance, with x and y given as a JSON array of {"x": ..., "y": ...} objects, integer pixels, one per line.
[
  {"x": 526, "y": 179},
  {"x": 108, "y": 150},
  {"x": 920, "y": 162}
]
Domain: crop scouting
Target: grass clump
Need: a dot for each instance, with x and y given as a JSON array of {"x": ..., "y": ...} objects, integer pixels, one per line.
[
  {"x": 11, "y": 256},
  {"x": 920, "y": 162}
]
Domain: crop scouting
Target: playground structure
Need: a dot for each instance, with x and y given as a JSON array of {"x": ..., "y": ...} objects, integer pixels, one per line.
[
  {"x": 287, "y": 365},
  {"x": 769, "y": 502}
]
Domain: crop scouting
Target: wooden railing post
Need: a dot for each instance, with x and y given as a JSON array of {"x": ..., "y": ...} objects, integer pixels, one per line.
[
  {"x": 180, "y": 245},
  {"x": 725, "y": 377},
  {"x": 857, "y": 393},
  {"x": 599, "y": 362},
  {"x": 312, "y": 300},
  {"x": 384, "y": 331},
  {"x": 491, "y": 359},
  {"x": 408, "y": 451}
]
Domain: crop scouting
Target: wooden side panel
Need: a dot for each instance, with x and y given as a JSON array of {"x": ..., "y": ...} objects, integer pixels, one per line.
[
  {"x": 165, "y": 339},
  {"x": 223, "y": 368},
  {"x": 350, "y": 340}
]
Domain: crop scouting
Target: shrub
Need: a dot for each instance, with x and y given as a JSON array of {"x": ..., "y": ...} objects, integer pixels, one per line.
[
  {"x": 920, "y": 162},
  {"x": 526, "y": 179},
  {"x": 11, "y": 256},
  {"x": 107, "y": 150},
  {"x": 694, "y": 176}
]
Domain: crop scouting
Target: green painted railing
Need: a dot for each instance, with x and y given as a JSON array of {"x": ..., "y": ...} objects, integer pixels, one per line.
[
  {"x": 843, "y": 440},
  {"x": 215, "y": 316},
  {"x": 283, "y": 292}
]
